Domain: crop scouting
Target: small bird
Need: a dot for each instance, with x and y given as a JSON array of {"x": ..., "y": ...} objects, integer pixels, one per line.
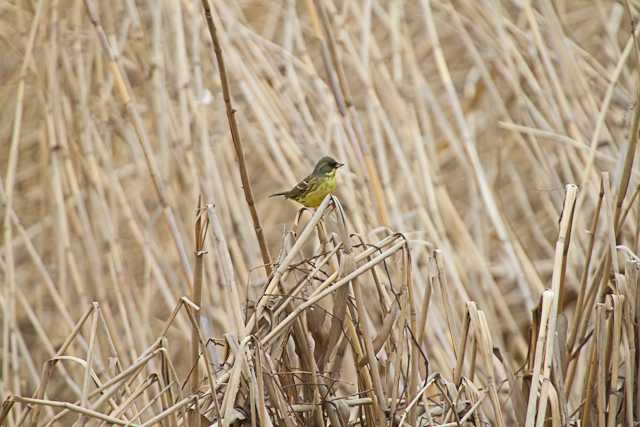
[{"x": 312, "y": 190}]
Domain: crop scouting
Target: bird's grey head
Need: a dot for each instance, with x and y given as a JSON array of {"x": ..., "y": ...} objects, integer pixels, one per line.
[{"x": 326, "y": 166}]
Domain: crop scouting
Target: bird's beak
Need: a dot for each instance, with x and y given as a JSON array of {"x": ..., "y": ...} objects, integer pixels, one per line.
[{"x": 339, "y": 165}]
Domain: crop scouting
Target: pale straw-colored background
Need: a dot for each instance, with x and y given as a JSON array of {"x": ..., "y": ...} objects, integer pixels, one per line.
[{"x": 460, "y": 124}]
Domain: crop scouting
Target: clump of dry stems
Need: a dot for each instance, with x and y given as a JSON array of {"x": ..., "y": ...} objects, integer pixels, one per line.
[{"x": 479, "y": 264}]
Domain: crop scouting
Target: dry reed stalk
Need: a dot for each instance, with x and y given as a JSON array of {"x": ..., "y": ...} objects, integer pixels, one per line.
[
  {"x": 5, "y": 408},
  {"x": 312, "y": 382},
  {"x": 547, "y": 302},
  {"x": 342, "y": 282},
  {"x": 47, "y": 369},
  {"x": 200, "y": 229},
  {"x": 229, "y": 284},
  {"x": 205, "y": 354},
  {"x": 557, "y": 286},
  {"x": 126, "y": 99},
  {"x": 583, "y": 283},
  {"x": 616, "y": 304},
  {"x": 470, "y": 166},
  {"x": 372, "y": 362},
  {"x": 235, "y": 136},
  {"x": 260, "y": 399},
  {"x": 8, "y": 341},
  {"x": 89, "y": 362},
  {"x": 487, "y": 196},
  {"x": 134, "y": 395},
  {"x": 603, "y": 342},
  {"x": 482, "y": 337},
  {"x": 274, "y": 280},
  {"x": 74, "y": 408}
]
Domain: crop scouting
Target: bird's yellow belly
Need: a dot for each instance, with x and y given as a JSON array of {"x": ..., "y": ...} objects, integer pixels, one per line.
[{"x": 313, "y": 198}]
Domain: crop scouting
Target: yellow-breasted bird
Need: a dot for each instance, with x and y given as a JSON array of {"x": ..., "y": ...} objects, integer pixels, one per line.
[{"x": 312, "y": 190}]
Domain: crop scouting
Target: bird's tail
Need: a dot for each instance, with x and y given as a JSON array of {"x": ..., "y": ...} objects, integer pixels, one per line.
[{"x": 284, "y": 193}]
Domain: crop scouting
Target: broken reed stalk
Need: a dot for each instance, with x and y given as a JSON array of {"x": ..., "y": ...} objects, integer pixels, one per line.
[
  {"x": 558, "y": 286},
  {"x": 200, "y": 229},
  {"x": 547, "y": 302},
  {"x": 127, "y": 100},
  {"x": 235, "y": 137}
]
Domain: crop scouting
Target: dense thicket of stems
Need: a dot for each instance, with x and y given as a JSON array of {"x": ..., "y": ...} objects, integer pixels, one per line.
[{"x": 479, "y": 264}]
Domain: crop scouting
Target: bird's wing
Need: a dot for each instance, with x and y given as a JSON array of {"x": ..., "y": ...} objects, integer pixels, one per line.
[{"x": 302, "y": 187}]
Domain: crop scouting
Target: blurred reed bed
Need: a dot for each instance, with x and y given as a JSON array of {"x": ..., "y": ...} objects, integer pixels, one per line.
[{"x": 478, "y": 265}]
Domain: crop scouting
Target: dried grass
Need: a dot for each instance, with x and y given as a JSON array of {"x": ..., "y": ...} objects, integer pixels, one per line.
[{"x": 429, "y": 291}]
